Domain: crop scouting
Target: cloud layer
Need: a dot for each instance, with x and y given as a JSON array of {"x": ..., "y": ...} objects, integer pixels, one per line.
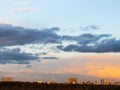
[
  {"x": 111, "y": 45},
  {"x": 22, "y": 10},
  {"x": 15, "y": 56},
  {"x": 11, "y": 36}
]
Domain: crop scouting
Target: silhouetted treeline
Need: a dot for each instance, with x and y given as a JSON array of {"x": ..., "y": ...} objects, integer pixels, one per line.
[{"x": 44, "y": 86}]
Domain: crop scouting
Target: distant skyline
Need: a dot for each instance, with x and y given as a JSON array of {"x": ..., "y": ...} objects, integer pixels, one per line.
[{"x": 60, "y": 38}]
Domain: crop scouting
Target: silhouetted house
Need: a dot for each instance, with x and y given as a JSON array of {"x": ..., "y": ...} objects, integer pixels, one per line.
[
  {"x": 104, "y": 81},
  {"x": 7, "y": 79},
  {"x": 48, "y": 82},
  {"x": 72, "y": 80},
  {"x": 53, "y": 81},
  {"x": 39, "y": 81},
  {"x": 117, "y": 83},
  {"x": 96, "y": 83},
  {"x": 80, "y": 83},
  {"x": 89, "y": 82}
]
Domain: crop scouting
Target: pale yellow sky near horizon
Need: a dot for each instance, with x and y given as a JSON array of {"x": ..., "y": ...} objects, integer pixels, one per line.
[{"x": 104, "y": 65}]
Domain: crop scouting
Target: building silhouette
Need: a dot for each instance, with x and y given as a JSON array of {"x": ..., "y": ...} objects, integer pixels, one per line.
[
  {"x": 104, "y": 81},
  {"x": 72, "y": 80},
  {"x": 7, "y": 79},
  {"x": 39, "y": 81}
]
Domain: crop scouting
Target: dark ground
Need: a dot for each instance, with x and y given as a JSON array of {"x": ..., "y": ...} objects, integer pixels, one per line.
[{"x": 36, "y": 86}]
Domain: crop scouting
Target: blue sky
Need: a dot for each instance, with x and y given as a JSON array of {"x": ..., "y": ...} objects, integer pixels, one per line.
[
  {"x": 66, "y": 14},
  {"x": 60, "y": 38}
]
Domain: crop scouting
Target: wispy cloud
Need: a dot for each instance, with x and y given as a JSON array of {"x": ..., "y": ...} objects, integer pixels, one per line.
[
  {"x": 6, "y": 20},
  {"x": 23, "y": 10},
  {"x": 90, "y": 27},
  {"x": 22, "y": 2}
]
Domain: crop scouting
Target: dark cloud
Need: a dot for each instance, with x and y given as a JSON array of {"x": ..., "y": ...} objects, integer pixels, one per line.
[
  {"x": 28, "y": 66},
  {"x": 90, "y": 38},
  {"x": 90, "y": 27},
  {"x": 70, "y": 47},
  {"x": 10, "y": 35},
  {"x": 52, "y": 41},
  {"x": 86, "y": 38},
  {"x": 15, "y": 56},
  {"x": 78, "y": 48},
  {"x": 50, "y": 58},
  {"x": 108, "y": 45},
  {"x": 60, "y": 47},
  {"x": 42, "y": 53}
]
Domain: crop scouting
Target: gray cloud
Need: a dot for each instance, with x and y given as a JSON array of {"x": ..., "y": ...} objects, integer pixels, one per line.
[
  {"x": 91, "y": 43},
  {"x": 10, "y": 35},
  {"x": 23, "y": 10},
  {"x": 50, "y": 58},
  {"x": 89, "y": 38},
  {"x": 86, "y": 38},
  {"x": 15, "y": 56},
  {"x": 52, "y": 41},
  {"x": 108, "y": 45},
  {"x": 78, "y": 48},
  {"x": 90, "y": 27}
]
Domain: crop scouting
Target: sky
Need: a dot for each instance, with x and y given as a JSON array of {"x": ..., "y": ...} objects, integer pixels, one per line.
[{"x": 45, "y": 39}]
